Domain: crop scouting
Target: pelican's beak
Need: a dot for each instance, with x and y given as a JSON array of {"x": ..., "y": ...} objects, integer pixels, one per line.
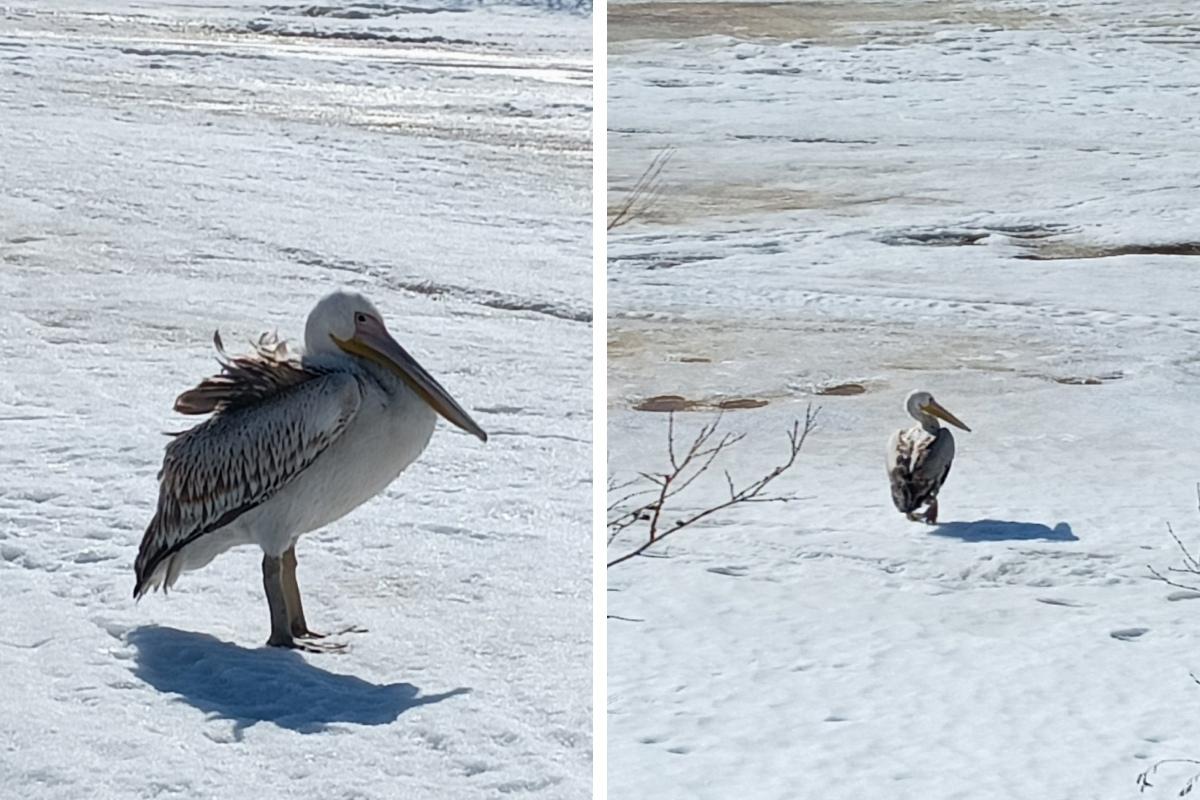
[
  {"x": 935, "y": 408},
  {"x": 374, "y": 342}
]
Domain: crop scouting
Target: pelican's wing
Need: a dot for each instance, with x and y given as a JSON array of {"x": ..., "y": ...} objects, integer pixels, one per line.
[
  {"x": 899, "y": 459},
  {"x": 918, "y": 466},
  {"x": 931, "y": 464},
  {"x": 256, "y": 443},
  {"x": 244, "y": 380}
]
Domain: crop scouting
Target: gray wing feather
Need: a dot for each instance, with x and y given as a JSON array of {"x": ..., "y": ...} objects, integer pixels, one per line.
[
  {"x": 919, "y": 467},
  {"x": 244, "y": 380},
  {"x": 899, "y": 472},
  {"x": 931, "y": 465},
  {"x": 239, "y": 458}
]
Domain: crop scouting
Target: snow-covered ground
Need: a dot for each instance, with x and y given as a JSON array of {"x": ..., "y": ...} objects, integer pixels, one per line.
[
  {"x": 970, "y": 198},
  {"x": 167, "y": 169}
]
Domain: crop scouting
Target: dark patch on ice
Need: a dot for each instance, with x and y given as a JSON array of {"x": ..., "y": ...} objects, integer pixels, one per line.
[
  {"x": 483, "y": 297},
  {"x": 361, "y": 10},
  {"x": 1090, "y": 380},
  {"x": 776, "y": 71},
  {"x": 382, "y": 10},
  {"x": 265, "y": 684},
  {"x": 741, "y": 402},
  {"x": 669, "y": 83},
  {"x": 994, "y": 530},
  {"x": 737, "y": 403},
  {"x": 1062, "y": 251},
  {"x": 653, "y": 261},
  {"x": 196, "y": 52},
  {"x": 733, "y": 571},
  {"x": 269, "y": 27},
  {"x": 752, "y": 137},
  {"x": 843, "y": 390},
  {"x": 505, "y": 302},
  {"x": 665, "y": 402},
  {"x": 675, "y": 402},
  {"x": 967, "y": 235},
  {"x": 941, "y": 237}
]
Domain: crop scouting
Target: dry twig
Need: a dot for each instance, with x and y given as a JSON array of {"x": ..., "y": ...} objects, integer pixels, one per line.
[
  {"x": 644, "y": 194},
  {"x": 686, "y": 467},
  {"x": 1191, "y": 564}
]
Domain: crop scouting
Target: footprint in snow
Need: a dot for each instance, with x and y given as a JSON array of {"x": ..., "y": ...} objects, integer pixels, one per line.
[
  {"x": 1128, "y": 634},
  {"x": 1055, "y": 601},
  {"x": 731, "y": 571}
]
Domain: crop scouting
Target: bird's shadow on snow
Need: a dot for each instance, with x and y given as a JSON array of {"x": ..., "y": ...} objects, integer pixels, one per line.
[
  {"x": 265, "y": 684},
  {"x": 997, "y": 530}
]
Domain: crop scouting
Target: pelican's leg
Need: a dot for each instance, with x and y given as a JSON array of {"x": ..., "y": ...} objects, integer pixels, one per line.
[
  {"x": 281, "y": 632},
  {"x": 291, "y": 590},
  {"x": 296, "y": 621},
  {"x": 275, "y": 582},
  {"x": 931, "y": 512}
]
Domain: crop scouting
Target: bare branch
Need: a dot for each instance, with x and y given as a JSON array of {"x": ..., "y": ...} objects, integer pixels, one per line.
[
  {"x": 685, "y": 469},
  {"x": 1188, "y": 559},
  {"x": 1190, "y": 566},
  {"x": 644, "y": 194}
]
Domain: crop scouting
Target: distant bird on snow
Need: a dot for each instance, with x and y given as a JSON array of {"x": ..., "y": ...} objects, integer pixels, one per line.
[
  {"x": 291, "y": 446},
  {"x": 918, "y": 458}
]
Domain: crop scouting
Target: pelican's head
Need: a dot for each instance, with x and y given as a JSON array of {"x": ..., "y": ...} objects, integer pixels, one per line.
[
  {"x": 921, "y": 405},
  {"x": 347, "y": 322}
]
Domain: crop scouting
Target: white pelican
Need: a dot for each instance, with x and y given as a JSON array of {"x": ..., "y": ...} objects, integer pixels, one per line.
[
  {"x": 291, "y": 446},
  {"x": 918, "y": 458}
]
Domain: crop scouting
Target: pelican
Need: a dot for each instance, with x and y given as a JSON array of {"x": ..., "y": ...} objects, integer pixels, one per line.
[
  {"x": 291, "y": 445},
  {"x": 918, "y": 458}
]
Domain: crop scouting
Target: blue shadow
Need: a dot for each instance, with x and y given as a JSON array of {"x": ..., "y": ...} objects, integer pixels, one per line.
[
  {"x": 265, "y": 684},
  {"x": 995, "y": 530}
]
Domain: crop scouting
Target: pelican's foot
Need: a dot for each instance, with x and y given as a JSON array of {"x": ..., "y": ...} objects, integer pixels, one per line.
[
  {"x": 307, "y": 647},
  {"x": 931, "y": 513},
  {"x": 320, "y": 647},
  {"x": 912, "y": 517},
  {"x": 305, "y": 633}
]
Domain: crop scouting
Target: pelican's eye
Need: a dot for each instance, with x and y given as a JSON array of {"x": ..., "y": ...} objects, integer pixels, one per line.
[{"x": 360, "y": 317}]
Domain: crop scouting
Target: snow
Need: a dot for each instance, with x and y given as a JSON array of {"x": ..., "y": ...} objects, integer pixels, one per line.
[
  {"x": 968, "y": 198},
  {"x": 174, "y": 168}
]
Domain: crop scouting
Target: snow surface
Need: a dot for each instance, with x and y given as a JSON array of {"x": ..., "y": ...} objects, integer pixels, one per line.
[
  {"x": 173, "y": 168},
  {"x": 955, "y": 196}
]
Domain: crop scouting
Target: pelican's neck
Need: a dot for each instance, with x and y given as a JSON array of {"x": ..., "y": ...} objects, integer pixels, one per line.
[
  {"x": 339, "y": 361},
  {"x": 391, "y": 383},
  {"x": 928, "y": 422}
]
